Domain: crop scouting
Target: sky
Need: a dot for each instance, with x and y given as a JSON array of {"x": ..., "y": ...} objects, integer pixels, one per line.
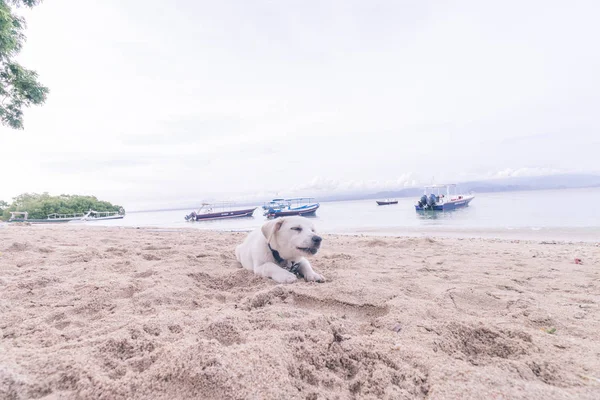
[{"x": 158, "y": 104}]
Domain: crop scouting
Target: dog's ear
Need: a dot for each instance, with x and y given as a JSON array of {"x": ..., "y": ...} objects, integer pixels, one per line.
[{"x": 270, "y": 228}]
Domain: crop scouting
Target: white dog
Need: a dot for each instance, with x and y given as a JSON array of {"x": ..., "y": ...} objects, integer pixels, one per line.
[{"x": 277, "y": 250}]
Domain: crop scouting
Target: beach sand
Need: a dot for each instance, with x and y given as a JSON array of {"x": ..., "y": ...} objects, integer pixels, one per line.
[{"x": 123, "y": 313}]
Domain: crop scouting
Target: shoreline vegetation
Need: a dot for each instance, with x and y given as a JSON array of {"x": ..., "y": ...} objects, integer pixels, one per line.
[{"x": 39, "y": 206}]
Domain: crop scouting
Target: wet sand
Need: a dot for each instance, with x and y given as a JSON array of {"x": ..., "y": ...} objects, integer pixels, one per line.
[{"x": 123, "y": 313}]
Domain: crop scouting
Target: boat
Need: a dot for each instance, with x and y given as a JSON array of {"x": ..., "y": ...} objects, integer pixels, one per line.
[
  {"x": 103, "y": 215},
  {"x": 386, "y": 202},
  {"x": 55, "y": 218},
  {"x": 275, "y": 204},
  {"x": 212, "y": 211},
  {"x": 302, "y": 206},
  {"x": 442, "y": 198},
  {"x": 18, "y": 216}
]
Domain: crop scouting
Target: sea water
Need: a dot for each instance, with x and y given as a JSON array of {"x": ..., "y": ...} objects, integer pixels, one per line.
[{"x": 572, "y": 215}]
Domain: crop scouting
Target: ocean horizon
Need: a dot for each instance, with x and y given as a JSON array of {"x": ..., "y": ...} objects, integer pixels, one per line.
[{"x": 565, "y": 215}]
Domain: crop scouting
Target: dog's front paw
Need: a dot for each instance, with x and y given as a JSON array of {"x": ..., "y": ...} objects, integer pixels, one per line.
[
  {"x": 286, "y": 277},
  {"x": 314, "y": 277}
]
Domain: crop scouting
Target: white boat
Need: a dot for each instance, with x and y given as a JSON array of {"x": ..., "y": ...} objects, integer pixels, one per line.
[
  {"x": 65, "y": 217},
  {"x": 103, "y": 215},
  {"x": 442, "y": 198}
]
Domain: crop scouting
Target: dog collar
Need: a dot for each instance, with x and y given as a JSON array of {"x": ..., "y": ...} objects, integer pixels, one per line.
[{"x": 293, "y": 267}]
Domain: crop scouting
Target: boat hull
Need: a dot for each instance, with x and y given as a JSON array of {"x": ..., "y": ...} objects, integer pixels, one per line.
[
  {"x": 451, "y": 205},
  {"x": 386, "y": 203},
  {"x": 225, "y": 215},
  {"x": 45, "y": 221},
  {"x": 302, "y": 211},
  {"x": 105, "y": 218}
]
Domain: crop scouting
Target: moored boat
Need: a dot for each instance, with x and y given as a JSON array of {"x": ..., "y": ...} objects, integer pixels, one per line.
[
  {"x": 103, "y": 215},
  {"x": 442, "y": 198},
  {"x": 209, "y": 211},
  {"x": 56, "y": 218},
  {"x": 275, "y": 204},
  {"x": 302, "y": 206},
  {"x": 386, "y": 202},
  {"x": 17, "y": 216}
]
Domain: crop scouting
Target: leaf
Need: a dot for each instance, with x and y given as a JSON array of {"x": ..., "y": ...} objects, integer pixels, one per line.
[{"x": 19, "y": 87}]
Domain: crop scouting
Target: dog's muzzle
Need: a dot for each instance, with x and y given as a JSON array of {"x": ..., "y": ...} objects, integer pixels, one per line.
[{"x": 316, "y": 243}]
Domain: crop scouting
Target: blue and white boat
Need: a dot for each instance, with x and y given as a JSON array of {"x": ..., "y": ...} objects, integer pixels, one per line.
[
  {"x": 442, "y": 198},
  {"x": 303, "y": 206},
  {"x": 275, "y": 204}
]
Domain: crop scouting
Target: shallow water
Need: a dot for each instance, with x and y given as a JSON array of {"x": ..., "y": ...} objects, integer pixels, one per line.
[{"x": 570, "y": 215}]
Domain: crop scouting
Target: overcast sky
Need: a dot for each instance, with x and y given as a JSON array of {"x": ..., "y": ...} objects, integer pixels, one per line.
[{"x": 158, "y": 103}]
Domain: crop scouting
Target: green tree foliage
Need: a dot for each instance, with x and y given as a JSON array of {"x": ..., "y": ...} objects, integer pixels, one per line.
[
  {"x": 41, "y": 205},
  {"x": 3, "y": 205},
  {"x": 19, "y": 87}
]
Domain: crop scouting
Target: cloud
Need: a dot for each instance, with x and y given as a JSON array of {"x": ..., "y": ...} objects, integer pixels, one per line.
[
  {"x": 324, "y": 186},
  {"x": 350, "y": 94},
  {"x": 189, "y": 129},
  {"x": 525, "y": 172}
]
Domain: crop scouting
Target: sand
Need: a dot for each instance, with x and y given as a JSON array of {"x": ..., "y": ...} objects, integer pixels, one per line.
[{"x": 123, "y": 313}]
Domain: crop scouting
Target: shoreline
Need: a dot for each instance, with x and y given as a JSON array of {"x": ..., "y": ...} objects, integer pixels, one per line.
[
  {"x": 137, "y": 313},
  {"x": 557, "y": 235},
  {"x": 563, "y": 235}
]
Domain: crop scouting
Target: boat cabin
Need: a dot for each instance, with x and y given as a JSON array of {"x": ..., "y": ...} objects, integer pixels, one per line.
[
  {"x": 18, "y": 216},
  {"x": 300, "y": 202},
  {"x": 443, "y": 193},
  {"x": 442, "y": 198}
]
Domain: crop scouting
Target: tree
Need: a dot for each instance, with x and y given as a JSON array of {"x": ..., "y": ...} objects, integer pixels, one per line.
[
  {"x": 19, "y": 87},
  {"x": 41, "y": 205},
  {"x": 3, "y": 205}
]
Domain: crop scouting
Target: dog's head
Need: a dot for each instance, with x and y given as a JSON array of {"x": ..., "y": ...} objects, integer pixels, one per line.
[{"x": 292, "y": 237}]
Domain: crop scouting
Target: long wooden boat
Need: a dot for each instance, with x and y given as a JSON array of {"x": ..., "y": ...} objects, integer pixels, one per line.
[
  {"x": 56, "y": 218},
  {"x": 16, "y": 216},
  {"x": 210, "y": 211}
]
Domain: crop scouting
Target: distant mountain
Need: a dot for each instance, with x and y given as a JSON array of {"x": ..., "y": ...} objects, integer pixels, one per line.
[
  {"x": 408, "y": 192},
  {"x": 514, "y": 184},
  {"x": 566, "y": 181}
]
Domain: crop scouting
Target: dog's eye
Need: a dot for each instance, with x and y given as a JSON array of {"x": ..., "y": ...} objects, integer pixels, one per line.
[{"x": 297, "y": 229}]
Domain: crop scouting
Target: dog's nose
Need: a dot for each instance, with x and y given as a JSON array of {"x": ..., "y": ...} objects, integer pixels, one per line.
[{"x": 317, "y": 239}]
